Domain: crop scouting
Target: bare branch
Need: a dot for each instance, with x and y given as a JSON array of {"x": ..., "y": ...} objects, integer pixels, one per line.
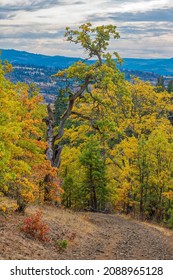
[{"x": 67, "y": 113}]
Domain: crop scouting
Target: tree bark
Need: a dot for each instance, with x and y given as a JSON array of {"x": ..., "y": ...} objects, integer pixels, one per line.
[{"x": 53, "y": 152}]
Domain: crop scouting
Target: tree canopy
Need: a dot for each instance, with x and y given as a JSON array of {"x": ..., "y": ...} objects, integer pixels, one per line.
[{"x": 22, "y": 144}]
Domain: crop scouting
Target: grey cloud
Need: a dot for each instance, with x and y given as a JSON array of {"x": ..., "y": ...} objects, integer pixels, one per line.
[
  {"x": 112, "y": 2},
  {"x": 145, "y": 30},
  {"x": 3, "y": 16},
  {"x": 154, "y": 15},
  {"x": 97, "y": 17},
  {"x": 6, "y": 16},
  {"x": 77, "y": 3},
  {"x": 36, "y": 5},
  {"x": 31, "y": 35}
]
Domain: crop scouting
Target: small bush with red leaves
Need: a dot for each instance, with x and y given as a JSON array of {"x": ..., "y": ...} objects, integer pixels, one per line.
[{"x": 34, "y": 227}]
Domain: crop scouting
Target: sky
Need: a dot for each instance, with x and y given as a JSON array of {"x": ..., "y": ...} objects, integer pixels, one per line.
[{"x": 38, "y": 26}]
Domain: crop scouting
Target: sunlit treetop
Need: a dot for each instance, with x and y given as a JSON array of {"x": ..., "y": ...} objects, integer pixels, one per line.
[{"x": 94, "y": 40}]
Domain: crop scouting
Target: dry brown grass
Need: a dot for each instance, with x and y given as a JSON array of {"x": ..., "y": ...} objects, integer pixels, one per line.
[{"x": 64, "y": 225}]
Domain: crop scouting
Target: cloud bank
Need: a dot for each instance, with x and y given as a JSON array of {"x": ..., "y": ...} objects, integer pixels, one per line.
[{"x": 145, "y": 26}]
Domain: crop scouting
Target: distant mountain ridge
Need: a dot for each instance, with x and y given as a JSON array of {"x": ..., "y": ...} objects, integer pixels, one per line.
[
  {"x": 161, "y": 66},
  {"x": 22, "y": 57},
  {"x": 158, "y": 66}
]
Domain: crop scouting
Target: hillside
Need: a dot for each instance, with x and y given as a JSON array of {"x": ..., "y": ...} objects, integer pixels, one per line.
[
  {"x": 22, "y": 57},
  {"x": 158, "y": 66},
  {"x": 89, "y": 236}
]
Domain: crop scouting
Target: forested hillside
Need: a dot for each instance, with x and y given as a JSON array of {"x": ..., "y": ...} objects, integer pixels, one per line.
[
  {"x": 23, "y": 164},
  {"x": 157, "y": 66},
  {"x": 106, "y": 145}
]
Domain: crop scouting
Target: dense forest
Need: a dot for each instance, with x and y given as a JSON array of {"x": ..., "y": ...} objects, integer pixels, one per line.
[
  {"x": 23, "y": 164},
  {"x": 105, "y": 145}
]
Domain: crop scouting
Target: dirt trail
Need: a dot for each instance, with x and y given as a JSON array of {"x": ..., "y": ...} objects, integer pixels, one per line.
[
  {"x": 97, "y": 236},
  {"x": 130, "y": 239}
]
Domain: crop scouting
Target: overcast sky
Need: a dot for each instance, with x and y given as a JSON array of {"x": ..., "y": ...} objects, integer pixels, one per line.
[{"x": 145, "y": 26}]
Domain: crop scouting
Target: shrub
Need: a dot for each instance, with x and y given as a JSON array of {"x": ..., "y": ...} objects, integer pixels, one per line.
[
  {"x": 62, "y": 244},
  {"x": 7, "y": 206},
  {"x": 34, "y": 227}
]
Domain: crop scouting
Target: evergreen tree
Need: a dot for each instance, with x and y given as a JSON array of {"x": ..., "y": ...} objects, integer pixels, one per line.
[
  {"x": 95, "y": 176},
  {"x": 160, "y": 84},
  {"x": 170, "y": 86}
]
